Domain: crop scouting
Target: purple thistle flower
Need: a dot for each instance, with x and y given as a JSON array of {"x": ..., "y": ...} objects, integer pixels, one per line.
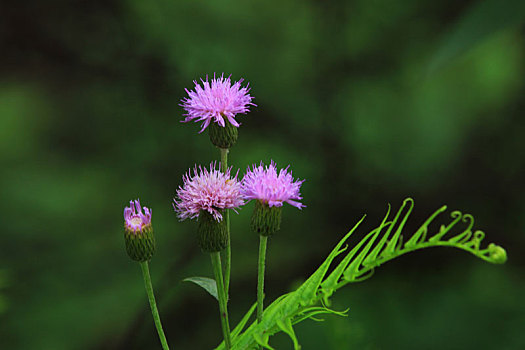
[
  {"x": 216, "y": 100},
  {"x": 264, "y": 184},
  {"x": 210, "y": 190},
  {"x": 134, "y": 219}
]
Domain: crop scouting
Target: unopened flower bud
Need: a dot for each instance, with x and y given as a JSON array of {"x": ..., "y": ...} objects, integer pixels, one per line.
[{"x": 138, "y": 232}]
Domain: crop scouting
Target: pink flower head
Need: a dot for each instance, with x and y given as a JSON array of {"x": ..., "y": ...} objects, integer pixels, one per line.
[
  {"x": 134, "y": 219},
  {"x": 264, "y": 184},
  {"x": 216, "y": 100},
  {"x": 210, "y": 190}
]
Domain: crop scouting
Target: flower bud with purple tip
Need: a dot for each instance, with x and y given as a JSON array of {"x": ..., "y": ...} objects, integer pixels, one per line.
[{"x": 138, "y": 232}]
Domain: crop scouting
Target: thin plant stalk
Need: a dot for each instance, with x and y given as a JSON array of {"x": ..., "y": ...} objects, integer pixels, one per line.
[
  {"x": 227, "y": 251},
  {"x": 153, "y": 304},
  {"x": 223, "y": 307},
  {"x": 260, "y": 276}
]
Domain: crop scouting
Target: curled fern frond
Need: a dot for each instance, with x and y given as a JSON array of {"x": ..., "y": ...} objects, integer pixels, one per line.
[
  {"x": 380, "y": 245},
  {"x": 391, "y": 246}
]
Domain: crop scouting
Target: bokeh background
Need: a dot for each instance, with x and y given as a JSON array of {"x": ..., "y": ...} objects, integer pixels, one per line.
[{"x": 369, "y": 100}]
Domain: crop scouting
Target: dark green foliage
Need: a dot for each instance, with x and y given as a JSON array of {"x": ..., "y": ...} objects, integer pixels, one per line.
[
  {"x": 483, "y": 19},
  {"x": 3, "y": 284}
]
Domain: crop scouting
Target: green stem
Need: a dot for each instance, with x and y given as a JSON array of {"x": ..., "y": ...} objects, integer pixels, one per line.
[
  {"x": 260, "y": 276},
  {"x": 223, "y": 302},
  {"x": 224, "y": 159},
  {"x": 227, "y": 251},
  {"x": 153, "y": 304}
]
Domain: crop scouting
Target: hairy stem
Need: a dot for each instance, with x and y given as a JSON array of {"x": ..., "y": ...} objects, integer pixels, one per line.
[
  {"x": 260, "y": 276},
  {"x": 227, "y": 251},
  {"x": 223, "y": 306},
  {"x": 153, "y": 304}
]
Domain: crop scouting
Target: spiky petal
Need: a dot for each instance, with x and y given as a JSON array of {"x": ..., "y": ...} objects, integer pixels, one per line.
[
  {"x": 215, "y": 100},
  {"x": 272, "y": 188},
  {"x": 134, "y": 219},
  {"x": 208, "y": 190}
]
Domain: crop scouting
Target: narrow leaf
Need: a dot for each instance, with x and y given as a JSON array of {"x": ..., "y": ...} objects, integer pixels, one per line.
[
  {"x": 243, "y": 322},
  {"x": 456, "y": 215},
  {"x": 262, "y": 340},
  {"x": 286, "y": 326},
  {"x": 330, "y": 282},
  {"x": 318, "y": 310},
  {"x": 421, "y": 233},
  {"x": 391, "y": 245},
  {"x": 353, "y": 268},
  {"x": 467, "y": 233},
  {"x": 373, "y": 254}
]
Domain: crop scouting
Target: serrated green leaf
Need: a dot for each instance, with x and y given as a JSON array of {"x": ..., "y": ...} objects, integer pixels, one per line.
[
  {"x": 375, "y": 249},
  {"x": 208, "y": 284}
]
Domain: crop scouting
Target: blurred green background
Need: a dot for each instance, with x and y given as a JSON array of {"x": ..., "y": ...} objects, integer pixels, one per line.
[{"x": 369, "y": 100}]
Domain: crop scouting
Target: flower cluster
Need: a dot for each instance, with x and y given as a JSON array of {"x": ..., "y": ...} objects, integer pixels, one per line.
[
  {"x": 272, "y": 188},
  {"x": 208, "y": 193},
  {"x": 134, "y": 219},
  {"x": 209, "y": 190},
  {"x": 216, "y": 100}
]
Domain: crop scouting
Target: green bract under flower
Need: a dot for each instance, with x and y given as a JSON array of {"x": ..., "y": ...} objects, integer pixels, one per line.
[
  {"x": 265, "y": 220},
  {"x": 212, "y": 234},
  {"x": 223, "y": 137}
]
